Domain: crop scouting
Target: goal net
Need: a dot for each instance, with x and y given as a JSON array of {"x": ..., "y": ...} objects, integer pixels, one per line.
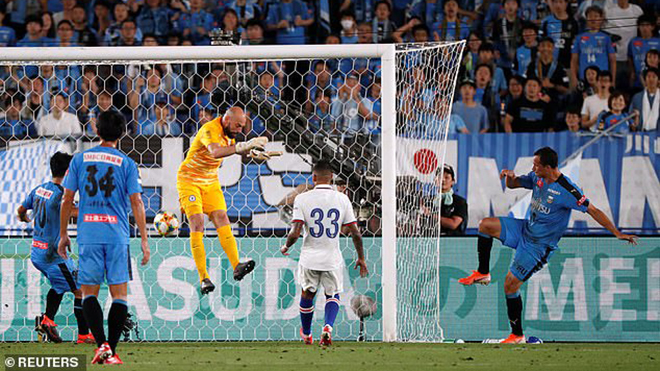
[{"x": 335, "y": 102}]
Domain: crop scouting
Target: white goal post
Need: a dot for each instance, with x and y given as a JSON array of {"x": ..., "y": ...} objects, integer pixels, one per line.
[{"x": 387, "y": 53}]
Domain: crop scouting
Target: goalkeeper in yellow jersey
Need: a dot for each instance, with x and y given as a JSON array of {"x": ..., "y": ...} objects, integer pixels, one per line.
[{"x": 199, "y": 188}]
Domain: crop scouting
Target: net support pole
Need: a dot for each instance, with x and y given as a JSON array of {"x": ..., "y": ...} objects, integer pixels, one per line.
[{"x": 388, "y": 194}]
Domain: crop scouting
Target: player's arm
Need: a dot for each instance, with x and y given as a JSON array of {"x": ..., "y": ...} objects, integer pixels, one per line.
[
  {"x": 141, "y": 220},
  {"x": 65, "y": 214},
  {"x": 512, "y": 181},
  {"x": 22, "y": 214},
  {"x": 357, "y": 242},
  {"x": 252, "y": 146},
  {"x": 603, "y": 220},
  {"x": 292, "y": 238}
]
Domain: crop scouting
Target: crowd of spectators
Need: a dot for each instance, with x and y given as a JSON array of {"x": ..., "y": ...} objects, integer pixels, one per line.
[{"x": 529, "y": 66}]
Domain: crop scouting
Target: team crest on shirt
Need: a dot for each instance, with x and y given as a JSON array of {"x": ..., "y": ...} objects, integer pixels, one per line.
[
  {"x": 192, "y": 198},
  {"x": 539, "y": 183},
  {"x": 551, "y": 199}
]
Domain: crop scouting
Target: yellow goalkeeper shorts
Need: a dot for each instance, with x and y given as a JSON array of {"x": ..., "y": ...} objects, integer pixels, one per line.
[{"x": 198, "y": 199}]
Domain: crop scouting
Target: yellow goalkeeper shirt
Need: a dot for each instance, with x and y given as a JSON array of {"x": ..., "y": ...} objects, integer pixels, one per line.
[{"x": 200, "y": 167}]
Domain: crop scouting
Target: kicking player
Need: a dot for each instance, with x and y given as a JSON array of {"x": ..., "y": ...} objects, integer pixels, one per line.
[
  {"x": 323, "y": 212},
  {"x": 553, "y": 197},
  {"x": 109, "y": 183},
  {"x": 45, "y": 200},
  {"x": 199, "y": 189}
]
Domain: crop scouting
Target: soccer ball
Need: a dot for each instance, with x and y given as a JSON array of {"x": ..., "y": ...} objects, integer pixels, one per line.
[
  {"x": 166, "y": 223},
  {"x": 534, "y": 340},
  {"x": 363, "y": 306}
]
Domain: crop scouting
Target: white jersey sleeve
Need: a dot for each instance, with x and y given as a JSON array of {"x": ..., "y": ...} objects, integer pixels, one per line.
[
  {"x": 349, "y": 215},
  {"x": 298, "y": 215}
]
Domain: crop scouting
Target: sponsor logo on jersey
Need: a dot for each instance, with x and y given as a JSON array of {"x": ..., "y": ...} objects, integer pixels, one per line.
[
  {"x": 40, "y": 245},
  {"x": 637, "y": 43},
  {"x": 103, "y": 157},
  {"x": 100, "y": 218},
  {"x": 550, "y": 190},
  {"x": 44, "y": 193}
]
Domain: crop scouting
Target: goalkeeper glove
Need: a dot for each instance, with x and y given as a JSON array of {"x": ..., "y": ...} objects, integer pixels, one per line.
[
  {"x": 254, "y": 143},
  {"x": 261, "y": 155}
]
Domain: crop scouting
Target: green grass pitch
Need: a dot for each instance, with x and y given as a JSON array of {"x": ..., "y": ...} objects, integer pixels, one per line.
[{"x": 363, "y": 356}]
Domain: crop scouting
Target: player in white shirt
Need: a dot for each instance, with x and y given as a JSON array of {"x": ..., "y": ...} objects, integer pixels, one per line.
[{"x": 323, "y": 212}]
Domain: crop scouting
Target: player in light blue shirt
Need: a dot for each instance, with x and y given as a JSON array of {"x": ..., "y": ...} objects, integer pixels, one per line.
[
  {"x": 109, "y": 186},
  {"x": 639, "y": 46},
  {"x": 554, "y": 196},
  {"x": 45, "y": 202}
]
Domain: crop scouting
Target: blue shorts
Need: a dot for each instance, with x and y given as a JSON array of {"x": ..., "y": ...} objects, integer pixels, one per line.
[
  {"x": 60, "y": 273},
  {"x": 99, "y": 263},
  {"x": 530, "y": 257}
]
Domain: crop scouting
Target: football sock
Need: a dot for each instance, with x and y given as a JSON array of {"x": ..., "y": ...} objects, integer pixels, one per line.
[
  {"x": 80, "y": 317},
  {"x": 228, "y": 243},
  {"x": 53, "y": 300},
  {"x": 484, "y": 244},
  {"x": 94, "y": 318},
  {"x": 116, "y": 320},
  {"x": 306, "y": 315},
  {"x": 199, "y": 254},
  {"x": 514, "y": 309},
  {"x": 331, "y": 309}
]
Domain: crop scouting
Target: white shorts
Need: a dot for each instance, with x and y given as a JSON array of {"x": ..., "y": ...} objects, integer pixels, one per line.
[{"x": 311, "y": 280}]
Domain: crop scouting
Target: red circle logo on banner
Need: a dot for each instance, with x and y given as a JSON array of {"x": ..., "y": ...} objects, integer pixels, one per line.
[{"x": 425, "y": 161}]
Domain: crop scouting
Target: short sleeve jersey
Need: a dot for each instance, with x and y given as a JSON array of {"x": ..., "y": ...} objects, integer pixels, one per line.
[
  {"x": 200, "y": 167},
  {"x": 45, "y": 201},
  {"x": 323, "y": 211},
  {"x": 593, "y": 49},
  {"x": 105, "y": 178},
  {"x": 551, "y": 208}
]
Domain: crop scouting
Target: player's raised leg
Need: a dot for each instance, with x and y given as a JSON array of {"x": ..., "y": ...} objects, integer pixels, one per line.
[
  {"x": 46, "y": 323},
  {"x": 514, "y": 307},
  {"x": 229, "y": 245},
  {"x": 488, "y": 228},
  {"x": 306, "y": 315}
]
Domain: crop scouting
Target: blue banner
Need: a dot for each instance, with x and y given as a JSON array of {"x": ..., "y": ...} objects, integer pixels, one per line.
[{"x": 618, "y": 174}]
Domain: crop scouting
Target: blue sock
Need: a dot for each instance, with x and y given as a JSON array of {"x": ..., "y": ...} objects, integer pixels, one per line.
[
  {"x": 331, "y": 309},
  {"x": 306, "y": 315}
]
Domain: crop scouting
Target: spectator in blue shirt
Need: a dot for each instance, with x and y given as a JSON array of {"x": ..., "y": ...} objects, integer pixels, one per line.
[
  {"x": 451, "y": 27},
  {"x": 128, "y": 34},
  {"x": 65, "y": 34},
  {"x": 84, "y": 35},
  {"x": 246, "y": 10},
  {"x": 7, "y": 34},
  {"x": 487, "y": 56},
  {"x": 562, "y": 28},
  {"x": 160, "y": 120},
  {"x": 113, "y": 33},
  {"x": 196, "y": 23},
  {"x": 526, "y": 53},
  {"x": 33, "y": 37},
  {"x": 606, "y": 119},
  {"x": 154, "y": 19},
  {"x": 382, "y": 26},
  {"x": 12, "y": 125},
  {"x": 474, "y": 115},
  {"x": 593, "y": 47},
  {"x": 321, "y": 119},
  {"x": 639, "y": 46},
  {"x": 348, "y": 28},
  {"x": 646, "y": 103},
  {"x": 289, "y": 18}
]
